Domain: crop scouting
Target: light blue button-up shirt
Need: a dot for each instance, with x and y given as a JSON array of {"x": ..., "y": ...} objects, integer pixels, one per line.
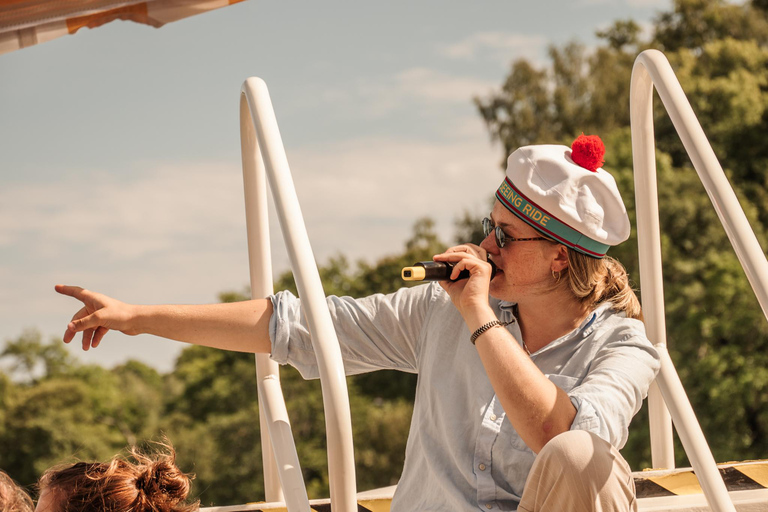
[{"x": 462, "y": 452}]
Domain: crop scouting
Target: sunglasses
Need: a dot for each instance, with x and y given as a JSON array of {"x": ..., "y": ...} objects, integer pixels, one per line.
[{"x": 502, "y": 238}]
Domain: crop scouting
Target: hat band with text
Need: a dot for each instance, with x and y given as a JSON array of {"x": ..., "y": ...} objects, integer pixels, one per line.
[{"x": 546, "y": 223}]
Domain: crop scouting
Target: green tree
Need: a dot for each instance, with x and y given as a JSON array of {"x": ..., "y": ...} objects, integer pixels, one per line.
[
  {"x": 691, "y": 24},
  {"x": 54, "y": 409},
  {"x": 29, "y": 358},
  {"x": 726, "y": 82}
]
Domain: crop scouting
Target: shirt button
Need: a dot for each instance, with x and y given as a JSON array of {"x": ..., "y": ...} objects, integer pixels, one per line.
[
  {"x": 488, "y": 506},
  {"x": 481, "y": 467},
  {"x": 493, "y": 417}
]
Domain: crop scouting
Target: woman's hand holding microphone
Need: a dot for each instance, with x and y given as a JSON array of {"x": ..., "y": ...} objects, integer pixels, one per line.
[{"x": 470, "y": 296}]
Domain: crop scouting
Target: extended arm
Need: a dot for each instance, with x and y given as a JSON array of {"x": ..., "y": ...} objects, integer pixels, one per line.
[{"x": 238, "y": 326}]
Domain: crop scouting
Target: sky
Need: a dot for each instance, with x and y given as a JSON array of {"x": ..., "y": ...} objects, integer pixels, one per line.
[{"x": 120, "y": 166}]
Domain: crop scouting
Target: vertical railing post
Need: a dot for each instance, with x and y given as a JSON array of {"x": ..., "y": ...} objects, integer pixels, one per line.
[
  {"x": 649, "y": 247},
  {"x": 653, "y": 70},
  {"x": 280, "y": 461},
  {"x": 341, "y": 462}
]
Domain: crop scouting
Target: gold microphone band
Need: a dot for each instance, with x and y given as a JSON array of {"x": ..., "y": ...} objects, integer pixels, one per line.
[{"x": 413, "y": 273}]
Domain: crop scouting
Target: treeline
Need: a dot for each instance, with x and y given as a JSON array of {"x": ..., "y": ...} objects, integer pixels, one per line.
[
  {"x": 55, "y": 409},
  {"x": 52, "y": 408}
]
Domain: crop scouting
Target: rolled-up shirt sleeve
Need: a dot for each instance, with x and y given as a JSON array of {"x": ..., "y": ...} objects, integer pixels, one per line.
[
  {"x": 375, "y": 332},
  {"x": 614, "y": 388}
]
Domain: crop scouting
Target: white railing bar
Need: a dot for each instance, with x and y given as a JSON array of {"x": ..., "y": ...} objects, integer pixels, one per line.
[
  {"x": 293, "y": 492},
  {"x": 660, "y": 427},
  {"x": 276, "y": 434},
  {"x": 652, "y": 69},
  {"x": 649, "y": 247},
  {"x": 692, "y": 437},
  {"x": 710, "y": 172},
  {"x": 341, "y": 463}
]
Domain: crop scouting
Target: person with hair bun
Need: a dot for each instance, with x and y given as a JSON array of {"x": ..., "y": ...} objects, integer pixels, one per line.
[
  {"x": 12, "y": 497},
  {"x": 529, "y": 370},
  {"x": 149, "y": 483}
]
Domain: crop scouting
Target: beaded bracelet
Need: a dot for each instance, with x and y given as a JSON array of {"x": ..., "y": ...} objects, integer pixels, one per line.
[{"x": 493, "y": 323}]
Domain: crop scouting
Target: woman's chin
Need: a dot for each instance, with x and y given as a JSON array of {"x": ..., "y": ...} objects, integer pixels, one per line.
[{"x": 496, "y": 281}]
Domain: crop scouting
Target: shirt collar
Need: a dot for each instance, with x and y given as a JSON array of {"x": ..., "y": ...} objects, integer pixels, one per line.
[
  {"x": 587, "y": 326},
  {"x": 594, "y": 319}
]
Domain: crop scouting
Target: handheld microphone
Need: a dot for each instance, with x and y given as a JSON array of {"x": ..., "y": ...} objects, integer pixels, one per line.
[{"x": 436, "y": 271}]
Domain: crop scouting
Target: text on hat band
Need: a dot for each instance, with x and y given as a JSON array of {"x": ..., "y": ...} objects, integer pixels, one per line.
[{"x": 546, "y": 223}]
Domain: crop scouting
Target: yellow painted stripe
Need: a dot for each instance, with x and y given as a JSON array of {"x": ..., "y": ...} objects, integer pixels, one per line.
[
  {"x": 757, "y": 472},
  {"x": 682, "y": 483},
  {"x": 376, "y": 505},
  {"x": 379, "y": 505}
]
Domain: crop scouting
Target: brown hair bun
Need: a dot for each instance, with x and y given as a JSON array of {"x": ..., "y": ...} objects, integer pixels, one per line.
[
  {"x": 153, "y": 483},
  {"x": 161, "y": 482}
]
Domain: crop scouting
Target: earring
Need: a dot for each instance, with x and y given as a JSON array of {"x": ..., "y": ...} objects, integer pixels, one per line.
[{"x": 556, "y": 276}]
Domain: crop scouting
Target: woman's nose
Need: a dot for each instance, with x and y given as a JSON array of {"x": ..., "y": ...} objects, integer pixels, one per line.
[{"x": 489, "y": 244}]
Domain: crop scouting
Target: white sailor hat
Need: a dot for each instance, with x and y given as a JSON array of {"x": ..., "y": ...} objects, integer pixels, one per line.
[{"x": 564, "y": 193}]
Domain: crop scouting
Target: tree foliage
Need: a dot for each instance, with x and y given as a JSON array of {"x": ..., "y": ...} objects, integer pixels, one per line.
[{"x": 54, "y": 409}]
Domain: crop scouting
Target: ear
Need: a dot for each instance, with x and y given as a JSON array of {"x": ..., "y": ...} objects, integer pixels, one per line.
[{"x": 560, "y": 261}]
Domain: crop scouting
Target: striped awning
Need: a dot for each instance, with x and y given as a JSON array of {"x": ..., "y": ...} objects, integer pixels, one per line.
[{"x": 28, "y": 22}]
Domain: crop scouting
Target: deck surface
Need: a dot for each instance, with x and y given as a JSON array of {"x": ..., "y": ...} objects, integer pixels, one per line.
[{"x": 674, "y": 490}]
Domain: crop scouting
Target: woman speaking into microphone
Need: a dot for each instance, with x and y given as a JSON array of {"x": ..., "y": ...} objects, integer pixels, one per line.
[{"x": 528, "y": 374}]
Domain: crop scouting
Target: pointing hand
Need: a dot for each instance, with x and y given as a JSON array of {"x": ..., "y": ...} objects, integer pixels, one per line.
[{"x": 98, "y": 315}]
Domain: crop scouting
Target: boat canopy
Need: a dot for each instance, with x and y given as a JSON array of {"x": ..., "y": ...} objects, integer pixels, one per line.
[{"x": 28, "y": 22}]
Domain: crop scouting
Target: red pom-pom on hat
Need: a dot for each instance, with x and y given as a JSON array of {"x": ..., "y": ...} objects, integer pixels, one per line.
[{"x": 588, "y": 152}]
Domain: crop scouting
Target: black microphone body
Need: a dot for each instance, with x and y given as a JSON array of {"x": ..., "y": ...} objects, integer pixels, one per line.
[{"x": 436, "y": 271}]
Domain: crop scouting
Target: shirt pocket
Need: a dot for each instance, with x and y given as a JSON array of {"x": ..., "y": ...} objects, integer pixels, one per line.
[
  {"x": 564, "y": 382},
  {"x": 511, "y": 437},
  {"x": 512, "y": 461}
]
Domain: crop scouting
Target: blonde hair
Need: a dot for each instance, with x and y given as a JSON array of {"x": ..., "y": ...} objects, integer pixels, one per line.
[
  {"x": 596, "y": 280},
  {"x": 12, "y": 497},
  {"x": 152, "y": 484}
]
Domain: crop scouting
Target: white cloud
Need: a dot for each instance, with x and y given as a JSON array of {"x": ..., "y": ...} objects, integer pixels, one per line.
[
  {"x": 499, "y": 46},
  {"x": 128, "y": 217},
  {"x": 176, "y": 233},
  {"x": 173, "y": 233},
  {"x": 646, "y": 30},
  {"x": 649, "y": 3},
  {"x": 366, "y": 194},
  {"x": 412, "y": 88},
  {"x": 433, "y": 85},
  {"x": 632, "y": 3}
]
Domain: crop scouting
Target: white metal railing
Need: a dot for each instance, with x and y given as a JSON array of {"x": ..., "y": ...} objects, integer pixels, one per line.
[
  {"x": 264, "y": 157},
  {"x": 651, "y": 70}
]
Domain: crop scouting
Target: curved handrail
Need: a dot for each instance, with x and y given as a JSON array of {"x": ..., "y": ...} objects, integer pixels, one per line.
[
  {"x": 263, "y": 153},
  {"x": 653, "y": 69},
  {"x": 273, "y": 416}
]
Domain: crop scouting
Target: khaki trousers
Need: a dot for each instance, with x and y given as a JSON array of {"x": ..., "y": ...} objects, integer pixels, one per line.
[{"x": 578, "y": 471}]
